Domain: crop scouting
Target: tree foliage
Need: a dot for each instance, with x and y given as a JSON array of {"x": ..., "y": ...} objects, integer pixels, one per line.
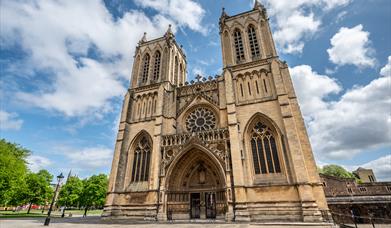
[
  {"x": 94, "y": 191},
  {"x": 13, "y": 171},
  {"x": 336, "y": 171},
  {"x": 70, "y": 192}
]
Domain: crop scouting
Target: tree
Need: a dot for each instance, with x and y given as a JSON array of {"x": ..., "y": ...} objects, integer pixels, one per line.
[
  {"x": 37, "y": 189},
  {"x": 70, "y": 192},
  {"x": 94, "y": 192},
  {"x": 336, "y": 171},
  {"x": 13, "y": 170}
]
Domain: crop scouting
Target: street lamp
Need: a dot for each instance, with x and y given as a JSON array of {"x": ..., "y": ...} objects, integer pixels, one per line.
[{"x": 59, "y": 179}]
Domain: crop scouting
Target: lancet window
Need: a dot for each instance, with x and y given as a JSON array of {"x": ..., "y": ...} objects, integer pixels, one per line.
[
  {"x": 141, "y": 160},
  {"x": 144, "y": 72},
  {"x": 264, "y": 150},
  {"x": 238, "y": 45},
  {"x": 252, "y": 37},
  {"x": 156, "y": 67}
]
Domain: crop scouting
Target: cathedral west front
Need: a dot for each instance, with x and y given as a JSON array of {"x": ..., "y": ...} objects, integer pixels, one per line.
[{"x": 232, "y": 147}]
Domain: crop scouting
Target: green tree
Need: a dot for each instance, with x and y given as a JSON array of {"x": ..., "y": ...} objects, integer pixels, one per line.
[
  {"x": 71, "y": 192},
  {"x": 94, "y": 192},
  {"x": 37, "y": 189},
  {"x": 336, "y": 171},
  {"x": 13, "y": 170}
]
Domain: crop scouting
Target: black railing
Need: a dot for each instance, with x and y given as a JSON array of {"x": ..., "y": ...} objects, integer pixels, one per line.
[{"x": 355, "y": 221}]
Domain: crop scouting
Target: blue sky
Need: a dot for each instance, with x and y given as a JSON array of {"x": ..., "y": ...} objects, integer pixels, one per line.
[{"x": 65, "y": 67}]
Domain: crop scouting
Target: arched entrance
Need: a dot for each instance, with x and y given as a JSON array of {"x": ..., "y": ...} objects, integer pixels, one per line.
[{"x": 196, "y": 187}]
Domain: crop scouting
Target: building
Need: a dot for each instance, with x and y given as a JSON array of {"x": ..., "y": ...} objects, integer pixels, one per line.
[
  {"x": 367, "y": 200},
  {"x": 232, "y": 147},
  {"x": 365, "y": 175}
]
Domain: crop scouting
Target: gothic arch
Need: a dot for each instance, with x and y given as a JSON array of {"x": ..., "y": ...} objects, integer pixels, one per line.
[
  {"x": 200, "y": 153},
  {"x": 274, "y": 160},
  {"x": 139, "y": 166}
]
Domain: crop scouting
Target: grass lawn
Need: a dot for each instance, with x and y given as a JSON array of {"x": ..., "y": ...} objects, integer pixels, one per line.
[{"x": 38, "y": 213}]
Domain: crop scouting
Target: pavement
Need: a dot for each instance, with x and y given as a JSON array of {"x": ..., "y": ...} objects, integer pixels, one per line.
[{"x": 97, "y": 222}]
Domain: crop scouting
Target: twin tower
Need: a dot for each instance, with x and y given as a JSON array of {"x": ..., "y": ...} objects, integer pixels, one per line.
[{"x": 233, "y": 147}]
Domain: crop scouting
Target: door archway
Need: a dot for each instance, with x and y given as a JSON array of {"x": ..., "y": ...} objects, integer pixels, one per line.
[{"x": 196, "y": 186}]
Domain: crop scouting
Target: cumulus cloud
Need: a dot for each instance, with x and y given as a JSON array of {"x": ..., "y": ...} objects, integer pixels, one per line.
[
  {"x": 358, "y": 121},
  {"x": 351, "y": 46},
  {"x": 312, "y": 88},
  {"x": 9, "y": 121},
  {"x": 90, "y": 157},
  {"x": 296, "y": 22},
  {"x": 36, "y": 163},
  {"x": 386, "y": 70},
  {"x": 185, "y": 13},
  {"x": 83, "y": 56},
  {"x": 381, "y": 167}
]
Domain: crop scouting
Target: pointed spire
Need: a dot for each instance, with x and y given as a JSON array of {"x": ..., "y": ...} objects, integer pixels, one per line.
[
  {"x": 223, "y": 13},
  {"x": 144, "y": 38},
  {"x": 69, "y": 175},
  {"x": 169, "y": 33}
]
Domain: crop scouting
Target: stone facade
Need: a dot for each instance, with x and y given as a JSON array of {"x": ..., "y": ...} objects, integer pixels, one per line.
[
  {"x": 365, "y": 175},
  {"x": 231, "y": 147},
  {"x": 367, "y": 200}
]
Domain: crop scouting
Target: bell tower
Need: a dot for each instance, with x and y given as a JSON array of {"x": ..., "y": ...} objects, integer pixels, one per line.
[
  {"x": 246, "y": 37},
  {"x": 158, "y": 60},
  {"x": 264, "y": 116}
]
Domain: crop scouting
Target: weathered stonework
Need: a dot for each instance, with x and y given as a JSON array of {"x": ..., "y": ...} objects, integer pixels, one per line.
[{"x": 254, "y": 163}]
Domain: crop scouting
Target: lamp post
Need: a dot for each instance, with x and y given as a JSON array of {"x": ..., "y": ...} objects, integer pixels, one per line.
[{"x": 47, "y": 220}]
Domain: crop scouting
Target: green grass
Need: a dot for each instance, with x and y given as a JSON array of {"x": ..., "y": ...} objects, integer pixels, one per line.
[{"x": 38, "y": 213}]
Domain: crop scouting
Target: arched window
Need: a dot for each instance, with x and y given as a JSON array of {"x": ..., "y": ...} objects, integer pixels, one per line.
[
  {"x": 238, "y": 45},
  {"x": 144, "y": 72},
  {"x": 176, "y": 70},
  {"x": 252, "y": 37},
  {"x": 156, "y": 67},
  {"x": 264, "y": 150},
  {"x": 141, "y": 159}
]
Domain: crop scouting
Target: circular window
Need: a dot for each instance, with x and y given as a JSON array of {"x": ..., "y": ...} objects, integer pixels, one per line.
[{"x": 201, "y": 119}]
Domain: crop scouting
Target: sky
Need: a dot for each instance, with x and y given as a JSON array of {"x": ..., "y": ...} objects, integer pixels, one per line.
[{"x": 65, "y": 67}]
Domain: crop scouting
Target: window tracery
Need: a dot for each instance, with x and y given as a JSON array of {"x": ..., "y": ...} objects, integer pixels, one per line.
[
  {"x": 201, "y": 119},
  {"x": 254, "y": 47},
  {"x": 144, "y": 73},
  {"x": 264, "y": 150},
  {"x": 238, "y": 45},
  {"x": 156, "y": 67},
  {"x": 141, "y": 160}
]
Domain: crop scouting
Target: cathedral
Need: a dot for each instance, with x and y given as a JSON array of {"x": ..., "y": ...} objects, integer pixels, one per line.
[{"x": 232, "y": 147}]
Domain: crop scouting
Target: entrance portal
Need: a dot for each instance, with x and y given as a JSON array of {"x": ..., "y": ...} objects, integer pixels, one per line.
[{"x": 196, "y": 187}]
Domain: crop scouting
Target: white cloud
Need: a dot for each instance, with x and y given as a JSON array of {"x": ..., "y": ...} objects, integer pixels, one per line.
[
  {"x": 9, "y": 121},
  {"x": 296, "y": 22},
  {"x": 312, "y": 89},
  {"x": 198, "y": 70},
  {"x": 185, "y": 13},
  {"x": 358, "y": 121},
  {"x": 37, "y": 163},
  {"x": 83, "y": 56},
  {"x": 386, "y": 70},
  {"x": 351, "y": 46},
  {"x": 89, "y": 157},
  {"x": 381, "y": 167}
]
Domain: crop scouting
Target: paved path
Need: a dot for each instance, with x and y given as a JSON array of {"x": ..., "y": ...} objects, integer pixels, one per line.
[{"x": 96, "y": 222}]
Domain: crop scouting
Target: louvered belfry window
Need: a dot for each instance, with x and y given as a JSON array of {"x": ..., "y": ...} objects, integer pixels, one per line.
[
  {"x": 254, "y": 47},
  {"x": 156, "y": 67},
  {"x": 144, "y": 73},
  {"x": 238, "y": 45},
  {"x": 264, "y": 150},
  {"x": 141, "y": 160}
]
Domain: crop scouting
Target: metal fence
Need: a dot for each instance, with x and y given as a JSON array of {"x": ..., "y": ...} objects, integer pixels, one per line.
[{"x": 355, "y": 221}]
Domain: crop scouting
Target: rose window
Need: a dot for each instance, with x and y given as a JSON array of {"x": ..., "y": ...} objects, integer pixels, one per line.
[{"x": 201, "y": 119}]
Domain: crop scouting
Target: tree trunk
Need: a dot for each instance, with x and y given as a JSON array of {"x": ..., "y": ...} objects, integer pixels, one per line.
[
  {"x": 85, "y": 212},
  {"x": 28, "y": 211}
]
